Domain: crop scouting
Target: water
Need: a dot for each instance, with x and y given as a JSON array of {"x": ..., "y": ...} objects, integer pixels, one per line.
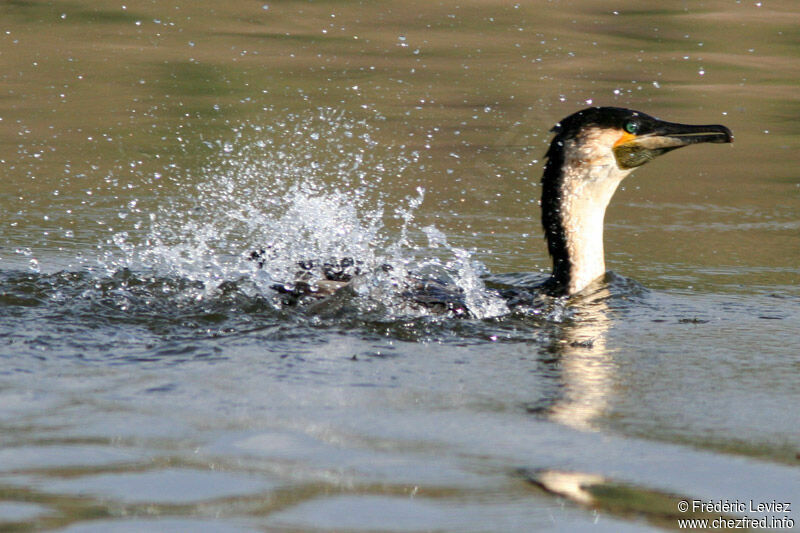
[{"x": 152, "y": 379}]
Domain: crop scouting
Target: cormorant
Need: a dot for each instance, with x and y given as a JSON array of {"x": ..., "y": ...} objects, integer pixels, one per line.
[{"x": 592, "y": 152}]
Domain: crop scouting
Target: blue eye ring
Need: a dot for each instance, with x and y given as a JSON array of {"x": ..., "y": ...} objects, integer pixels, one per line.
[{"x": 632, "y": 127}]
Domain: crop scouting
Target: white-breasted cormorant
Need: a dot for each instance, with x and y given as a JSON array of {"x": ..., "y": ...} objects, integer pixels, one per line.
[{"x": 592, "y": 152}]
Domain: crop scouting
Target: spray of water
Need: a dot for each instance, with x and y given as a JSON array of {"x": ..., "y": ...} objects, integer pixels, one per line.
[{"x": 305, "y": 189}]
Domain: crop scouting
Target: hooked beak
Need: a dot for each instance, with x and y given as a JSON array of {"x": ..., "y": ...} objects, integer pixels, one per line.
[{"x": 635, "y": 150}]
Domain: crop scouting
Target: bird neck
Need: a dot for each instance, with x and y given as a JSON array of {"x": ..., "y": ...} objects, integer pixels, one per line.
[{"x": 575, "y": 194}]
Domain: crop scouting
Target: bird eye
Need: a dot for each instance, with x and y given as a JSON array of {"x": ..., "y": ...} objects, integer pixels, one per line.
[{"x": 632, "y": 127}]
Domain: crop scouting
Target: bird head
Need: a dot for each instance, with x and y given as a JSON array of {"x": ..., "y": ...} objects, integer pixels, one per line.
[{"x": 631, "y": 138}]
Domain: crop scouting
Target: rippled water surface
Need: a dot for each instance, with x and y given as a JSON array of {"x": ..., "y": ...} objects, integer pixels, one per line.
[{"x": 153, "y": 379}]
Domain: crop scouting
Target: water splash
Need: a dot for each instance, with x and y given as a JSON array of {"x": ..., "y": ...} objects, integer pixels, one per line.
[{"x": 306, "y": 190}]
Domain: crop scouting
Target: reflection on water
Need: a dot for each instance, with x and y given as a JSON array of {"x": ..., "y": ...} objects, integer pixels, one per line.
[
  {"x": 149, "y": 379},
  {"x": 586, "y": 367}
]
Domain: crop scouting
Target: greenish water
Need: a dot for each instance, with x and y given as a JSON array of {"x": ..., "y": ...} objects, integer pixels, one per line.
[{"x": 150, "y": 380}]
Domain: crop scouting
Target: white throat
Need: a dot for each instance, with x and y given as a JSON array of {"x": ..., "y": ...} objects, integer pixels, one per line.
[{"x": 586, "y": 190}]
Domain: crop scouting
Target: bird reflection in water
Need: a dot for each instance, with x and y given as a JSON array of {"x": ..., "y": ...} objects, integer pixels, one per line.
[{"x": 580, "y": 363}]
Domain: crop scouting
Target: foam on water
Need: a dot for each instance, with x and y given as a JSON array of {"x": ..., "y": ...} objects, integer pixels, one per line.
[{"x": 306, "y": 188}]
